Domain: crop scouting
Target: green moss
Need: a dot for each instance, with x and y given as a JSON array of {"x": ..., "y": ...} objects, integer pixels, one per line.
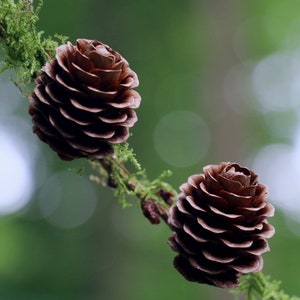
[
  {"x": 133, "y": 183},
  {"x": 24, "y": 48},
  {"x": 260, "y": 287}
]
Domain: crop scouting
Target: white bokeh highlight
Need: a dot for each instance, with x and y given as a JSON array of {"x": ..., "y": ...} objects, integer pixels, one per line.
[
  {"x": 16, "y": 180},
  {"x": 278, "y": 166},
  {"x": 18, "y": 152},
  {"x": 276, "y": 81}
]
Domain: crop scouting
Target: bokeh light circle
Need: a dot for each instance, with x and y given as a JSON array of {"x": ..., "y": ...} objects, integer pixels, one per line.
[
  {"x": 67, "y": 200},
  {"x": 276, "y": 81},
  {"x": 181, "y": 138}
]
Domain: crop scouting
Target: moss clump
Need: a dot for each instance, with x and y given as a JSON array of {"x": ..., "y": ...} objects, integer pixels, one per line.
[{"x": 24, "y": 49}]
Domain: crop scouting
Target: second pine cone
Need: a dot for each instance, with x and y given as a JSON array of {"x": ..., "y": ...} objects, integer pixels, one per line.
[{"x": 220, "y": 226}]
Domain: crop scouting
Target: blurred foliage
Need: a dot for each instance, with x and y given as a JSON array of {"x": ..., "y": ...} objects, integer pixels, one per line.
[{"x": 182, "y": 52}]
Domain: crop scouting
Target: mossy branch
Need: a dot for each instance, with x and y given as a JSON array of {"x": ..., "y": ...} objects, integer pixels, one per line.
[
  {"x": 112, "y": 171},
  {"x": 24, "y": 48}
]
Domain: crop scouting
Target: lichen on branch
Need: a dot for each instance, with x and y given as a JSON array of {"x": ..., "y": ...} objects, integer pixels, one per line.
[
  {"x": 114, "y": 172},
  {"x": 25, "y": 50},
  {"x": 260, "y": 287}
]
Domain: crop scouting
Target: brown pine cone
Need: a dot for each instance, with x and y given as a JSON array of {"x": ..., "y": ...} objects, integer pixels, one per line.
[
  {"x": 83, "y": 101},
  {"x": 220, "y": 226}
]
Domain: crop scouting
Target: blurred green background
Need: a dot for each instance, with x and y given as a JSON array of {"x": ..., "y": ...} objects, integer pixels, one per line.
[{"x": 220, "y": 81}]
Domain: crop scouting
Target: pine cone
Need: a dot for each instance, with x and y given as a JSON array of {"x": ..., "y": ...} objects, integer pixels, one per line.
[
  {"x": 83, "y": 101},
  {"x": 220, "y": 226}
]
